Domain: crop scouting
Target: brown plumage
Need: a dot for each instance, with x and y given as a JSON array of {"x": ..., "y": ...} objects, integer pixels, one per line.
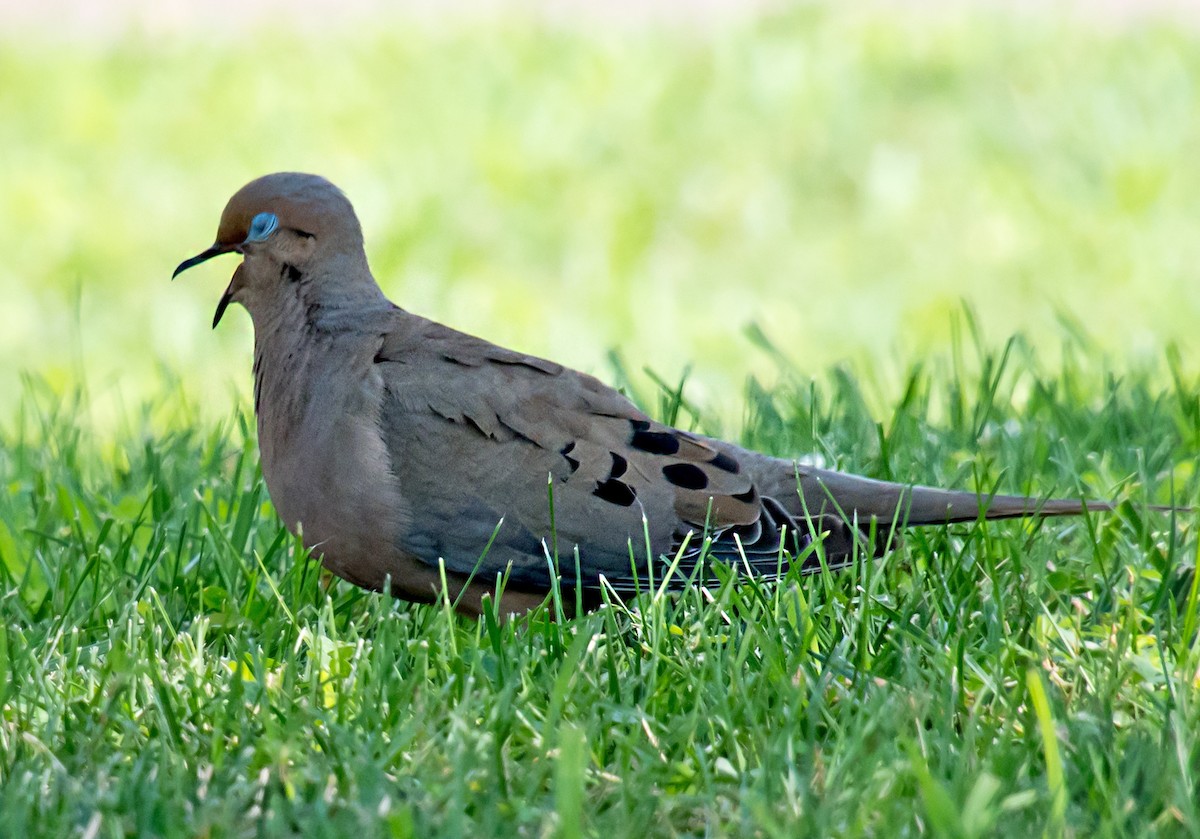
[{"x": 393, "y": 442}]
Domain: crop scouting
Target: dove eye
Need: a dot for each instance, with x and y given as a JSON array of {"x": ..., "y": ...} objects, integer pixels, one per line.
[{"x": 262, "y": 226}]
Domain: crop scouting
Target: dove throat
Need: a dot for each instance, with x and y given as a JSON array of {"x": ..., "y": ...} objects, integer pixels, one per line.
[
  {"x": 310, "y": 327},
  {"x": 317, "y": 399}
]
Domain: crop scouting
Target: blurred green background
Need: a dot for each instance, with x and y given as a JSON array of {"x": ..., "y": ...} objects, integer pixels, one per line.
[{"x": 842, "y": 176}]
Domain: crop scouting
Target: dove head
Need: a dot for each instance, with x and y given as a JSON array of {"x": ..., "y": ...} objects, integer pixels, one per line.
[{"x": 289, "y": 227}]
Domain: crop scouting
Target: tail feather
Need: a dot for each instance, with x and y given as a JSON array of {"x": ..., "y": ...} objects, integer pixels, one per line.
[
  {"x": 842, "y": 506},
  {"x": 863, "y": 498}
]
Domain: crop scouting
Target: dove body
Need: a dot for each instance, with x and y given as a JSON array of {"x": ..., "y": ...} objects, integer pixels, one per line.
[{"x": 395, "y": 445}]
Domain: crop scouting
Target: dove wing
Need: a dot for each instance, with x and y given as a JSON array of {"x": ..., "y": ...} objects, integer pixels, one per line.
[{"x": 479, "y": 436}]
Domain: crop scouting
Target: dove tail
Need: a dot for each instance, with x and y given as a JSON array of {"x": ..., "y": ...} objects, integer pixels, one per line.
[{"x": 860, "y": 497}]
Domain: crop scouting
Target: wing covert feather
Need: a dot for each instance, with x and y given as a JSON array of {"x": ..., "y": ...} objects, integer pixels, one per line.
[{"x": 476, "y": 432}]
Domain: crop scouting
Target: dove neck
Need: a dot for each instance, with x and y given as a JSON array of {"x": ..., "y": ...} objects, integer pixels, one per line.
[
  {"x": 326, "y": 302},
  {"x": 308, "y": 344}
]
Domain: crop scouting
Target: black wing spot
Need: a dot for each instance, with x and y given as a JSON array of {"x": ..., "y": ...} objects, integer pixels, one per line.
[
  {"x": 640, "y": 425},
  {"x": 615, "y": 492},
  {"x": 685, "y": 475},
  {"x": 655, "y": 442},
  {"x": 565, "y": 451},
  {"x": 292, "y": 273},
  {"x": 618, "y": 466},
  {"x": 726, "y": 463}
]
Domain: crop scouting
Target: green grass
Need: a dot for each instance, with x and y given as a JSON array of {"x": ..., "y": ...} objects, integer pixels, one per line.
[
  {"x": 764, "y": 199},
  {"x": 176, "y": 666}
]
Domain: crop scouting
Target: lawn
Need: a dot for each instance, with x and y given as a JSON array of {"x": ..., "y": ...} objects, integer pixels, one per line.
[{"x": 832, "y": 218}]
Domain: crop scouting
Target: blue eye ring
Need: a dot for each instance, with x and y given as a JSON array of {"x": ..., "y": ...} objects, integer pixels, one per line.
[{"x": 262, "y": 226}]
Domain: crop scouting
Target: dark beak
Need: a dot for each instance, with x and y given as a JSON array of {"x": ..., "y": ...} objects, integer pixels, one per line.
[
  {"x": 215, "y": 250},
  {"x": 222, "y": 305}
]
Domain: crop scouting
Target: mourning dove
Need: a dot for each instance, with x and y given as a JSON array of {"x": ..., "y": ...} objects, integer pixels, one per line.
[{"x": 394, "y": 444}]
